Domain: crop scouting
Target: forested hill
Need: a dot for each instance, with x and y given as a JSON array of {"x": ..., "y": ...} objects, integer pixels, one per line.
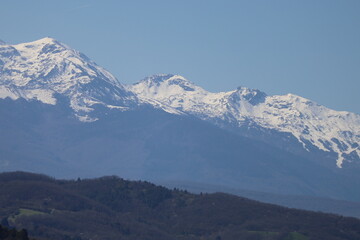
[
  {"x": 113, "y": 208},
  {"x": 12, "y": 234}
]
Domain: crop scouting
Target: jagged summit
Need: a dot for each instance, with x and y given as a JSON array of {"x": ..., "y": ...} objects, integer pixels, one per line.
[
  {"x": 167, "y": 79},
  {"x": 253, "y": 96},
  {"x": 158, "y": 78},
  {"x": 245, "y": 91}
]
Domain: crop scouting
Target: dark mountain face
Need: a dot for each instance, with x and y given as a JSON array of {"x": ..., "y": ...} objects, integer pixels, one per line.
[
  {"x": 113, "y": 208},
  {"x": 154, "y": 145}
]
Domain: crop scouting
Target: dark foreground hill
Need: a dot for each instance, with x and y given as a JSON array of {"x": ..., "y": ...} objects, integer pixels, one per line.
[
  {"x": 12, "y": 234},
  {"x": 318, "y": 204},
  {"x": 113, "y": 208}
]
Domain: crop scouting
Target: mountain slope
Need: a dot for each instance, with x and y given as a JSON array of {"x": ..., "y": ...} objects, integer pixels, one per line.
[
  {"x": 113, "y": 208},
  {"x": 311, "y": 124},
  {"x": 46, "y": 68},
  {"x": 163, "y": 128},
  {"x": 154, "y": 145}
]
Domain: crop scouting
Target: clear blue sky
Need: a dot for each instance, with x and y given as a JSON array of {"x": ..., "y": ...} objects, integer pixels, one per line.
[{"x": 309, "y": 47}]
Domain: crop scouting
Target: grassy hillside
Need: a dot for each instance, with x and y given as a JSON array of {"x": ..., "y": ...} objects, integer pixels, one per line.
[{"x": 113, "y": 208}]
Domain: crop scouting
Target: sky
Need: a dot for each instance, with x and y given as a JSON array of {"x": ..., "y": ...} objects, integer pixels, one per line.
[{"x": 309, "y": 48}]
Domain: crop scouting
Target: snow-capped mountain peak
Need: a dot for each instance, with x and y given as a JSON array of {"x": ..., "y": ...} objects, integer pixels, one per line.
[
  {"x": 39, "y": 69},
  {"x": 46, "y": 68},
  {"x": 176, "y": 92},
  {"x": 307, "y": 121}
]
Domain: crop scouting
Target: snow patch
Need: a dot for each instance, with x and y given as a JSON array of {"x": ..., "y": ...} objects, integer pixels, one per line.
[
  {"x": 117, "y": 107},
  {"x": 86, "y": 118},
  {"x": 45, "y": 96},
  {"x": 6, "y": 92}
]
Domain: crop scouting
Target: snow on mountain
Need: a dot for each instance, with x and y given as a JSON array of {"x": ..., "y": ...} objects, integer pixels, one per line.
[
  {"x": 179, "y": 93},
  {"x": 308, "y": 121},
  {"x": 43, "y": 68}
]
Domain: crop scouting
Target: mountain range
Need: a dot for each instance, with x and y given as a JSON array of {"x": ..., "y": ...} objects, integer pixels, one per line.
[{"x": 62, "y": 114}]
